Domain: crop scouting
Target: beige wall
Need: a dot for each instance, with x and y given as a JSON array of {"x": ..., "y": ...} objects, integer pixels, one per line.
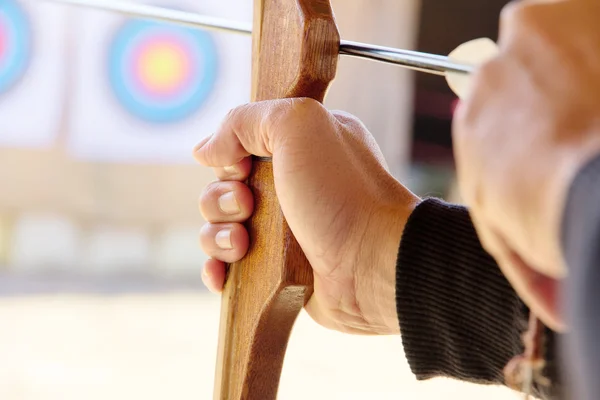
[
  {"x": 379, "y": 94},
  {"x": 50, "y": 181}
]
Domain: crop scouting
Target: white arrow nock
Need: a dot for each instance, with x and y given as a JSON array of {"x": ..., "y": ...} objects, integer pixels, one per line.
[{"x": 474, "y": 52}]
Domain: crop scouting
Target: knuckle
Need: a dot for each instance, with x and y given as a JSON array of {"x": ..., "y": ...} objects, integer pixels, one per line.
[
  {"x": 515, "y": 13},
  {"x": 306, "y": 104},
  {"x": 287, "y": 111},
  {"x": 278, "y": 114},
  {"x": 345, "y": 118},
  {"x": 205, "y": 238},
  {"x": 235, "y": 117},
  {"x": 235, "y": 112},
  {"x": 207, "y": 197}
]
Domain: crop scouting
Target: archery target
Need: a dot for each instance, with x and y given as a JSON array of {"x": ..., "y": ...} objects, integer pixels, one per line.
[
  {"x": 15, "y": 43},
  {"x": 33, "y": 68},
  {"x": 162, "y": 73},
  {"x": 147, "y": 91}
]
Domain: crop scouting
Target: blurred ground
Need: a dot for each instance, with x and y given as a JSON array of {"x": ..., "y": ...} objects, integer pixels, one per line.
[{"x": 162, "y": 346}]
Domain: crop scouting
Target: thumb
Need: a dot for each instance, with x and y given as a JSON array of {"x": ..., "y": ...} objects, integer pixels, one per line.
[{"x": 250, "y": 129}]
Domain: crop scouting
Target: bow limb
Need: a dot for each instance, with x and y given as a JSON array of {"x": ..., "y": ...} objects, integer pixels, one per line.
[{"x": 295, "y": 52}]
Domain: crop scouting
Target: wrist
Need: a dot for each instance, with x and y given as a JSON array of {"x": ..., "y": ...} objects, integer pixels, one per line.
[{"x": 376, "y": 279}]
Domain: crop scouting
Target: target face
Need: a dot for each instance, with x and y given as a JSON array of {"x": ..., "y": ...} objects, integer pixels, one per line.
[
  {"x": 160, "y": 73},
  {"x": 15, "y": 43}
]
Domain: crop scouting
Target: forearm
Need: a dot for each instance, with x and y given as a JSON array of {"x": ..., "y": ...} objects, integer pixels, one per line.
[{"x": 459, "y": 316}]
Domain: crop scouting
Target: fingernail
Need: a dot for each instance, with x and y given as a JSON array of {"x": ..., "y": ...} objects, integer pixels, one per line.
[
  {"x": 228, "y": 203},
  {"x": 223, "y": 239},
  {"x": 231, "y": 169}
]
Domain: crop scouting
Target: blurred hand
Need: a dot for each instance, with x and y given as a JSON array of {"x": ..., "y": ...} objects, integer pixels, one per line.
[
  {"x": 344, "y": 208},
  {"x": 529, "y": 124}
]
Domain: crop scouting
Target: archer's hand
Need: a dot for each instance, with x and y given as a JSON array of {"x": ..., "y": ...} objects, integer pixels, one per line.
[
  {"x": 529, "y": 124},
  {"x": 344, "y": 208}
]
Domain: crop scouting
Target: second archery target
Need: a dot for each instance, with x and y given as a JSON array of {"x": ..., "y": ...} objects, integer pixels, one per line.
[
  {"x": 15, "y": 43},
  {"x": 162, "y": 73}
]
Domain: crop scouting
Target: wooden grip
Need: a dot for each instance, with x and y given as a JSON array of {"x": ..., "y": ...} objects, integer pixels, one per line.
[
  {"x": 295, "y": 45},
  {"x": 264, "y": 294}
]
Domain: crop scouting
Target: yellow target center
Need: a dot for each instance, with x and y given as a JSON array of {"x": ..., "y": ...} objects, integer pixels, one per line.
[{"x": 162, "y": 67}]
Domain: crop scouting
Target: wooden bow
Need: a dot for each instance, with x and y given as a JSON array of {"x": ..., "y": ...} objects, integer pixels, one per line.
[{"x": 295, "y": 53}]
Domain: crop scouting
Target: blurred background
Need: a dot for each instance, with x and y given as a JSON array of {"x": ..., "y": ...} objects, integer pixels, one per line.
[{"x": 100, "y": 289}]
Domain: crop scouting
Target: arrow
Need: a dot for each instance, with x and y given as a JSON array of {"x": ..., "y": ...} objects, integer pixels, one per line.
[{"x": 456, "y": 68}]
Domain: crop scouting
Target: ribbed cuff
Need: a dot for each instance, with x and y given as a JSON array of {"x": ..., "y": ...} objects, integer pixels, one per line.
[{"x": 459, "y": 317}]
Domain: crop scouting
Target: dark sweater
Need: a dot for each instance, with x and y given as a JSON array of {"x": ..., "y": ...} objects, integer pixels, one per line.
[{"x": 459, "y": 316}]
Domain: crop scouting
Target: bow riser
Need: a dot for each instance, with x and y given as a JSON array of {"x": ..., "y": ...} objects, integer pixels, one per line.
[{"x": 295, "y": 52}]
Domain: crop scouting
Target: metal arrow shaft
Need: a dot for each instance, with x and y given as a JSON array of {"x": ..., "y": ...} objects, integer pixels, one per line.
[
  {"x": 424, "y": 62},
  {"x": 415, "y": 60}
]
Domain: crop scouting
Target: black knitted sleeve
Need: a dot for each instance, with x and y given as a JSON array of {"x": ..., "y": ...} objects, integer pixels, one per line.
[{"x": 459, "y": 316}]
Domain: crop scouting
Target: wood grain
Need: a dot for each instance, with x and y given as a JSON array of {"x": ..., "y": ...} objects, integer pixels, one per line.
[{"x": 295, "y": 52}]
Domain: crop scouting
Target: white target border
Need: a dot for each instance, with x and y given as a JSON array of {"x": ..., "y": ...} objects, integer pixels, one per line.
[{"x": 32, "y": 108}]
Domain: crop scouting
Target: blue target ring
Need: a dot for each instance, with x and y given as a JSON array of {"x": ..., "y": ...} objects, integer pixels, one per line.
[
  {"x": 15, "y": 44},
  {"x": 161, "y": 73}
]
